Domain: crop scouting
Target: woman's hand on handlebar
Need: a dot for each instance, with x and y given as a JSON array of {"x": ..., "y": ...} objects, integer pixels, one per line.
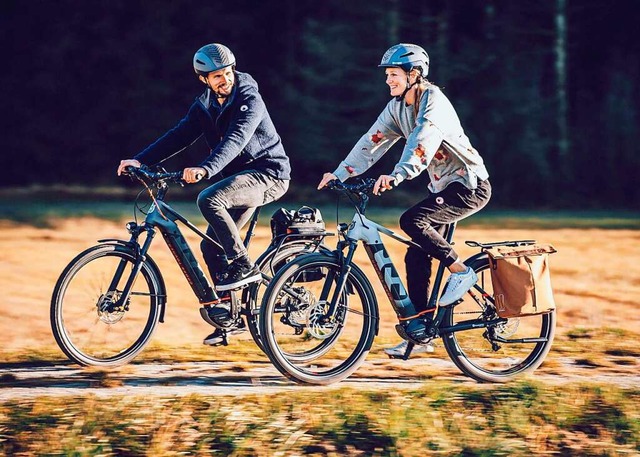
[
  {"x": 127, "y": 163},
  {"x": 193, "y": 174},
  {"x": 384, "y": 182},
  {"x": 325, "y": 180}
]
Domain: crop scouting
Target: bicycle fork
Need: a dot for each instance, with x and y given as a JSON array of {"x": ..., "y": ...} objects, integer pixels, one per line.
[
  {"x": 141, "y": 253},
  {"x": 345, "y": 269}
]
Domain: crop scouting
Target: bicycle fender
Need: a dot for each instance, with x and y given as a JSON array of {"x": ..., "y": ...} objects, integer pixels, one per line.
[
  {"x": 116, "y": 241},
  {"x": 471, "y": 261}
]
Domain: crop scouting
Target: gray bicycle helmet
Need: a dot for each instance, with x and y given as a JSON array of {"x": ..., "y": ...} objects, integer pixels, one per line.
[
  {"x": 212, "y": 57},
  {"x": 406, "y": 56}
]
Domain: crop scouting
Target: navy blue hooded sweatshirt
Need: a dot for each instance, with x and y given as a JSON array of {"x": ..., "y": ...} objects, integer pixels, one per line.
[{"x": 240, "y": 134}]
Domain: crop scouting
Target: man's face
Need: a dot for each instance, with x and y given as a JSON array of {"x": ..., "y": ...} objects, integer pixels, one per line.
[{"x": 221, "y": 81}]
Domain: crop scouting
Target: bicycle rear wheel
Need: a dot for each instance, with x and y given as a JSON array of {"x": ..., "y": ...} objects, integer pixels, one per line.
[
  {"x": 499, "y": 352},
  {"x": 87, "y": 324},
  {"x": 269, "y": 263},
  {"x": 303, "y": 340}
]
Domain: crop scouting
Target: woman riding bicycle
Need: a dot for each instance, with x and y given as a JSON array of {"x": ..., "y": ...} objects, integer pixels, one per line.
[{"x": 435, "y": 142}]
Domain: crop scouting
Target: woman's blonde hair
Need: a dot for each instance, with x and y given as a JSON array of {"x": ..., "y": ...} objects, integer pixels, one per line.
[{"x": 421, "y": 87}]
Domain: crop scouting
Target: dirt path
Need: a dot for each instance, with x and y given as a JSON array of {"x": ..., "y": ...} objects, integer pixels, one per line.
[
  {"x": 26, "y": 380},
  {"x": 583, "y": 287}
]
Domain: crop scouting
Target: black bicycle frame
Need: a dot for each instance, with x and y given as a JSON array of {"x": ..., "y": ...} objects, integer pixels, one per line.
[{"x": 162, "y": 217}]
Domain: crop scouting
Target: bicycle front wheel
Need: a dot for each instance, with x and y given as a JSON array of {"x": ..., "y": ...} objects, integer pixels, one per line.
[
  {"x": 498, "y": 352},
  {"x": 88, "y": 324},
  {"x": 307, "y": 340}
]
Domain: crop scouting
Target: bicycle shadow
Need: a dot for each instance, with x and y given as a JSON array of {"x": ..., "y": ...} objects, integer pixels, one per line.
[{"x": 68, "y": 375}]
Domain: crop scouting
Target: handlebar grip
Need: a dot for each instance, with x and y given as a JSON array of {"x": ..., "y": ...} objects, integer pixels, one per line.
[{"x": 333, "y": 184}]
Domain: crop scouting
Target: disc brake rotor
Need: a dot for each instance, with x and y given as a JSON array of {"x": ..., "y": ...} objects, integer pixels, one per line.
[
  {"x": 107, "y": 312},
  {"x": 318, "y": 325}
]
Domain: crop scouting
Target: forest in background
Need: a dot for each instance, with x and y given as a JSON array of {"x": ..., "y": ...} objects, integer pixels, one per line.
[{"x": 547, "y": 91}]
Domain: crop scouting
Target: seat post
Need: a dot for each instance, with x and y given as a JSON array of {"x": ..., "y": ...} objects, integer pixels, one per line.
[
  {"x": 449, "y": 230},
  {"x": 252, "y": 227}
]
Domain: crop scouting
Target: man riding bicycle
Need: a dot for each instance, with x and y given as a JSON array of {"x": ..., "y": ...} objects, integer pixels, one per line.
[{"x": 245, "y": 146}]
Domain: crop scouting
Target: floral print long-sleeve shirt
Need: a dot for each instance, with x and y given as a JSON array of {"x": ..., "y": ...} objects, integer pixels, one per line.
[{"x": 435, "y": 142}]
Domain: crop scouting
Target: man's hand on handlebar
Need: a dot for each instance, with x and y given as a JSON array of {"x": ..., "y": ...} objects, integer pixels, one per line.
[
  {"x": 127, "y": 163},
  {"x": 384, "y": 182},
  {"x": 193, "y": 174}
]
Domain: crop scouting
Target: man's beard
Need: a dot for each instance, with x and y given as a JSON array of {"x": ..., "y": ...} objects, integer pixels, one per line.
[{"x": 222, "y": 94}]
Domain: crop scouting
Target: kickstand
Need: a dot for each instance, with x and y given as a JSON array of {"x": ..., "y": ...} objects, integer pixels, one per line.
[{"x": 407, "y": 353}]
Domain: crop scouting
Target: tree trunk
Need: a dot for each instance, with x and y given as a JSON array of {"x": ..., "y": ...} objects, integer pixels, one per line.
[{"x": 560, "y": 51}]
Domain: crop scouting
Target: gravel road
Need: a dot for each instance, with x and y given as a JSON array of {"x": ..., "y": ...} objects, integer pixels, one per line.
[{"x": 30, "y": 380}]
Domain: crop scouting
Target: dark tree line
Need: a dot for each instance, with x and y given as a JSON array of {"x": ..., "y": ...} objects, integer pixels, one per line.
[{"x": 547, "y": 91}]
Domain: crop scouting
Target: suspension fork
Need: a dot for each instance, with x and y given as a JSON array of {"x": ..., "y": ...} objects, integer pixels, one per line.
[{"x": 141, "y": 253}]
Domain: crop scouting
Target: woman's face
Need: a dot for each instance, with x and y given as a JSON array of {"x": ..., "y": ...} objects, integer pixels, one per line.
[{"x": 396, "y": 80}]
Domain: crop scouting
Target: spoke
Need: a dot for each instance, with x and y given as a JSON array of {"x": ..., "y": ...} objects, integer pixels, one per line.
[{"x": 360, "y": 313}]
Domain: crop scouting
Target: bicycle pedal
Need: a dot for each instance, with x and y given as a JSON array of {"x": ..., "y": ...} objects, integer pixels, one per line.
[{"x": 235, "y": 288}]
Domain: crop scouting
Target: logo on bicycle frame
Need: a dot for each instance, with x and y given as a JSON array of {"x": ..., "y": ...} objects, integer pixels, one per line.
[{"x": 388, "y": 274}]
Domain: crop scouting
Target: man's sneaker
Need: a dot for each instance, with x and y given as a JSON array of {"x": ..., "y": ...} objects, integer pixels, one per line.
[
  {"x": 238, "y": 274},
  {"x": 458, "y": 285},
  {"x": 217, "y": 338},
  {"x": 400, "y": 350}
]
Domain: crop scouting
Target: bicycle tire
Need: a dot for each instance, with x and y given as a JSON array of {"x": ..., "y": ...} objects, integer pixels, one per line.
[
  {"x": 300, "y": 291},
  {"x": 478, "y": 354},
  {"x": 89, "y": 336}
]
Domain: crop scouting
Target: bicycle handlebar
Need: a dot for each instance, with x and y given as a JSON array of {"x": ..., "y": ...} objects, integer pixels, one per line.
[
  {"x": 144, "y": 172},
  {"x": 360, "y": 186}
]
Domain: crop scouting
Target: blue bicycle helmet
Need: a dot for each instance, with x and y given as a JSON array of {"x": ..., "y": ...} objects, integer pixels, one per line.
[{"x": 406, "y": 56}]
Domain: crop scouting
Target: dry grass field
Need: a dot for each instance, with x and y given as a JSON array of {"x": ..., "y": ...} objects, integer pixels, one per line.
[
  {"x": 595, "y": 274},
  {"x": 587, "y": 406}
]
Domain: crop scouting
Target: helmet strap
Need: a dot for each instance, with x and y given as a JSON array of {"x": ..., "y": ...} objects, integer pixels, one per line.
[{"x": 409, "y": 86}]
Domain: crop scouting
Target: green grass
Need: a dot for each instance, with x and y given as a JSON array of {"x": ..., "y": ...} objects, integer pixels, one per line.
[{"x": 520, "y": 419}]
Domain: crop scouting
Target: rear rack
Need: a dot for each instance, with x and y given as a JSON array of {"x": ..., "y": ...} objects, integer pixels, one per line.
[{"x": 512, "y": 243}]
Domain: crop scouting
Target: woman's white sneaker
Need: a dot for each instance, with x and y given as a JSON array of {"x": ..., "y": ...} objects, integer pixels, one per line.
[
  {"x": 458, "y": 285},
  {"x": 400, "y": 350}
]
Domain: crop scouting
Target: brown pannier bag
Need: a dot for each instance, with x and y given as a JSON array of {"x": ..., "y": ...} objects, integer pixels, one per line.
[{"x": 521, "y": 279}]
